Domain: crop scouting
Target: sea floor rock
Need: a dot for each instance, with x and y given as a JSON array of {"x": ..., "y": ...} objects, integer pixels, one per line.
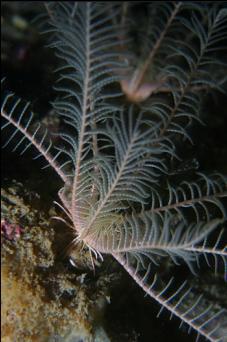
[{"x": 43, "y": 299}]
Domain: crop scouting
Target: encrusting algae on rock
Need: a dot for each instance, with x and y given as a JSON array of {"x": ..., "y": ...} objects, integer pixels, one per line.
[{"x": 43, "y": 299}]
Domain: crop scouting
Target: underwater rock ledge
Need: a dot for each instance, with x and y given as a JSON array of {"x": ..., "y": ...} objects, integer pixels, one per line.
[{"x": 43, "y": 299}]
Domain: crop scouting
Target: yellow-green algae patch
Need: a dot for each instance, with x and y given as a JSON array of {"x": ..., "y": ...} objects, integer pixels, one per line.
[{"x": 42, "y": 298}]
